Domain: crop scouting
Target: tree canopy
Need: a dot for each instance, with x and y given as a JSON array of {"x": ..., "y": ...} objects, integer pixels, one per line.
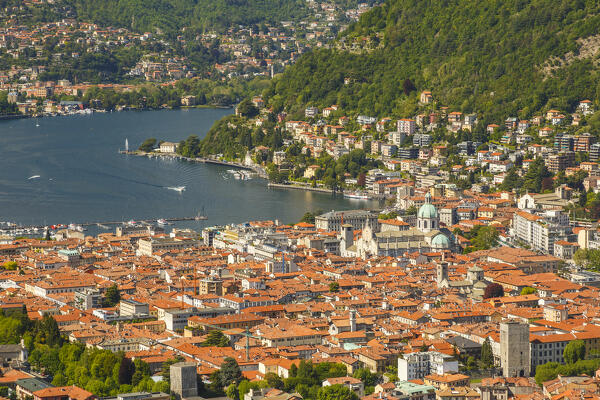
[
  {"x": 172, "y": 15},
  {"x": 216, "y": 338},
  {"x": 336, "y": 392},
  {"x": 460, "y": 51},
  {"x": 574, "y": 351},
  {"x": 493, "y": 290}
]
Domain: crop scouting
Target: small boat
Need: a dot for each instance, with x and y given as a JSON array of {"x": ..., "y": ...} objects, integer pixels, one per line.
[
  {"x": 131, "y": 222},
  {"x": 162, "y": 221},
  {"x": 33, "y": 177},
  {"x": 356, "y": 196},
  {"x": 177, "y": 188}
]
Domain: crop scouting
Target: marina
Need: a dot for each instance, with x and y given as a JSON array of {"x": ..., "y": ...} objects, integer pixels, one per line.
[
  {"x": 10, "y": 227},
  {"x": 78, "y": 176}
]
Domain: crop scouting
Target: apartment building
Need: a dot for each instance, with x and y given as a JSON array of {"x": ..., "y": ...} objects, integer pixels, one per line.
[{"x": 419, "y": 365}]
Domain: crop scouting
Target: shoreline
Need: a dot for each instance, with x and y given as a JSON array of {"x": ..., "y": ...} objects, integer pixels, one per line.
[
  {"x": 254, "y": 168},
  {"x": 301, "y": 187},
  {"x": 11, "y": 117},
  {"x": 104, "y": 111},
  {"x": 204, "y": 160}
]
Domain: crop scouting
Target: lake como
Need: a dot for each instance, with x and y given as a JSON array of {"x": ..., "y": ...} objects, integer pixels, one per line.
[{"x": 67, "y": 169}]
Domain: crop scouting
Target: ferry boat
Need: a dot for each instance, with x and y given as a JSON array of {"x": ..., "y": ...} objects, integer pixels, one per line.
[{"x": 356, "y": 196}]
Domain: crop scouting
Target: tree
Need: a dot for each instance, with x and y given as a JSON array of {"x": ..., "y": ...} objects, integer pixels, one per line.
[
  {"x": 232, "y": 392},
  {"x": 537, "y": 172},
  {"x": 10, "y": 265},
  {"x": 486, "y": 238},
  {"x": 112, "y": 296},
  {"x": 412, "y": 210},
  {"x": 366, "y": 376},
  {"x": 274, "y": 381},
  {"x": 587, "y": 258},
  {"x": 574, "y": 351},
  {"x": 511, "y": 181},
  {"x": 334, "y": 287},
  {"x": 528, "y": 290},
  {"x": 361, "y": 180},
  {"x": 293, "y": 370},
  {"x": 336, "y": 392},
  {"x": 493, "y": 290},
  {"x": 126, "y": 371},
  {"x": 247, "y": 109},
  {"x": 487, "y": 356},
  {"x": 142, "y": 371},
  {"x": 308, "y": 217},
  {"x": 48, "y": 331},
  {"x": 148, "y": 145},
  {"x": 581, "y": 257},
  {"x": 408, "y": 86},
  {"x": 216, "y": 338},
  {"x": 230, "y": 372},
  {"x": 545, "y": 372}
]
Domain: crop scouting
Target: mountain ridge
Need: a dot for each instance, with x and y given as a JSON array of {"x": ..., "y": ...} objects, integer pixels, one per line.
[{"x": 475, "y": 56}]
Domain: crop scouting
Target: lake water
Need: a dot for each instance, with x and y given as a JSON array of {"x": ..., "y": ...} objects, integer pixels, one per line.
[{"x": 83, "y": 178}]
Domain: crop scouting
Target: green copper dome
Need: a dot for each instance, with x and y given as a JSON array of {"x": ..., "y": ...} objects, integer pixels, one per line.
[
  {"x": 427, "y": 210},
  {"x": 440, "y": 241}
]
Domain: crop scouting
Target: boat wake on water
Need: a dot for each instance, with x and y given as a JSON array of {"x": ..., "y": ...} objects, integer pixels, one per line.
[{"x": 176, "y": 188}]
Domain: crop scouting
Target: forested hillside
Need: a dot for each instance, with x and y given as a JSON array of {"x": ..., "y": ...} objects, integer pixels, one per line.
[
  {"x": 172, "y": 15},
  {"x": 498, "y": 58}
]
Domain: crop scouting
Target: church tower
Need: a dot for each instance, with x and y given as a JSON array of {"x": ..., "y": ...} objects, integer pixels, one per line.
[
  {"x": 442, "y": 273},
  {"x": 427, "y": 217}
]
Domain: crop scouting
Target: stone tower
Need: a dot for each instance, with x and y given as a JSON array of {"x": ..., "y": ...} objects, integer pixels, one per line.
[
  {"x": 347, "y": 236},
  {"x": 183, "y": 380},
  {"x": 442, "y": 272},
  {"x": 515, "y": 349},
  {"x": 352, "y": 320}
]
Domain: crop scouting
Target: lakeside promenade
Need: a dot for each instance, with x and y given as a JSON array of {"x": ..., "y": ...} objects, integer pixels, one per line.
[
  {"x": 205, "y": 160},
  {"x": 260, "y": 171}
]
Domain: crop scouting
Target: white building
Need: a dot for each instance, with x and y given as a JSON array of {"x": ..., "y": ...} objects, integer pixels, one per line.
[
  {"x": 540, "y": 231},
  {"x": 418, "y": 365},
  {"x": 407, "y": 126},
  {"x": 168, "y": 147}
]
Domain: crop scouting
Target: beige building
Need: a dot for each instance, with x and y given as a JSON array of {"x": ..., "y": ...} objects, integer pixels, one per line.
[{"x": 168, "y": 147}]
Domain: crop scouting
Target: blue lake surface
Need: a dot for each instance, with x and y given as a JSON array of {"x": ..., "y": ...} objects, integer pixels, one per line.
[{"x": 83, "y": 178}]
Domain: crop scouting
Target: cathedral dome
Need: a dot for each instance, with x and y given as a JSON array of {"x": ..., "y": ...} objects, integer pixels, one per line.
[
  {"x": 427, "y": 210},
  {"x": 440, "y": 241}
]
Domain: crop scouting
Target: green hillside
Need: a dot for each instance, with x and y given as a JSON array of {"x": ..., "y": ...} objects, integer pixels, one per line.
[
  {"x": 496, "y": 57},
  {"x": 172, "y": 15}
]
